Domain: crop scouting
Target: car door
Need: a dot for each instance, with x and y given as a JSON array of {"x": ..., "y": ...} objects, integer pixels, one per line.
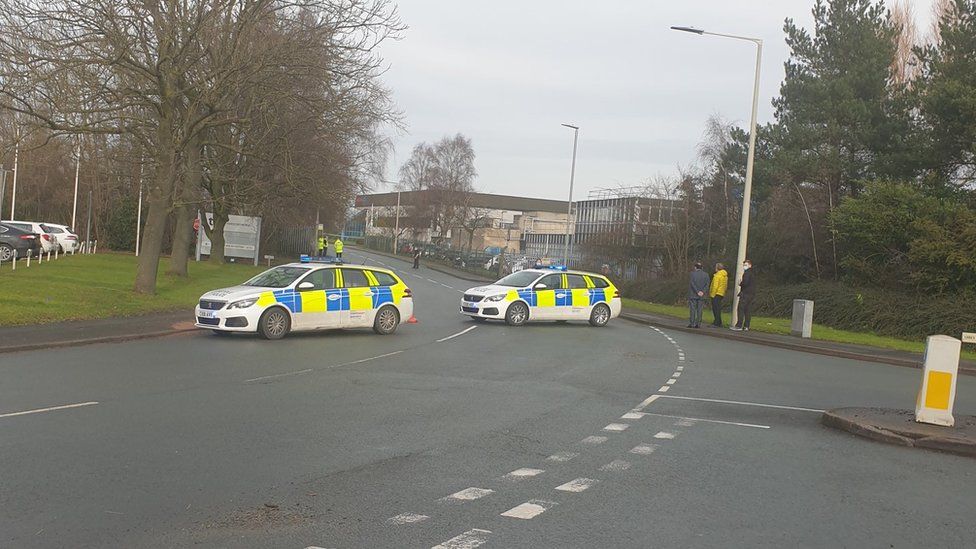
[
  {"x": 544, "y": 292},
  {"x": 359, "y": 312},
  {"x": 578, "y": 288},
  {"x": 321, "y": 305}
]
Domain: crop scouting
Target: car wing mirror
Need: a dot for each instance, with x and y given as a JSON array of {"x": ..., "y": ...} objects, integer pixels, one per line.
[
  {"x": 540, "y": 286},
  {"x": 305, "y": 286}
]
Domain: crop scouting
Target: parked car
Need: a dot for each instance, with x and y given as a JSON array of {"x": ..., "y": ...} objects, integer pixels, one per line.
[
  {"x": 67, "y": 239},
  {"x": 16, "y": 241},
  {"x": 49, "y": 241}
]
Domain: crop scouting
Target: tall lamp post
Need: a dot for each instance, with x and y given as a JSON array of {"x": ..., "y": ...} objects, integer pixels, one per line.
[
  {"x": 747, "y": 190},
  {"x": 569, "y": 203}
]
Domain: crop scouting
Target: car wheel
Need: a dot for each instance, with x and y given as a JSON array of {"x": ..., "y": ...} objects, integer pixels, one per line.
[
  {"x": 517, "y": 314},
  {"x": 387, "y": 320},
  {"x": 274, "y": 324},
  {"x": 6, "y": 252},
  {"x": 600, "y": 315}
]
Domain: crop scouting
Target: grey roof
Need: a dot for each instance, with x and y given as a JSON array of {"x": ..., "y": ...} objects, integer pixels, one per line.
[{"x": 478, "y": 200}]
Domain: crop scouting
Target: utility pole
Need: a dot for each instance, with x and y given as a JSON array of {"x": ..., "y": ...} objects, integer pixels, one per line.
[
  {"x": 569, "y": 203},
  {"x": 74, "y": 204},
  {"x": 13, "y": 194},
  {"x": 3, "y": 188},
  {"x": 88, "y": 228},
  {"x": 396, "y": 230},
  {"x": 139, "y": 211}
]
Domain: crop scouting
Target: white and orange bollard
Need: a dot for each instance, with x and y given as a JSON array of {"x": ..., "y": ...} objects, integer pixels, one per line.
[{"x": 938, "y": 391}]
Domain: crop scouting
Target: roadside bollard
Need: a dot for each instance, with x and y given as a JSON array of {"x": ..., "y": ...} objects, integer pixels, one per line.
[
  {"x": 56, "y": 253},
  {"x": 95, "y": 249},
  {"x": 13, "y": 261},
  {"x": 938, "y": 391},
  {"x": 28, "y": 257},
  {"x": 802, "y": 324}
]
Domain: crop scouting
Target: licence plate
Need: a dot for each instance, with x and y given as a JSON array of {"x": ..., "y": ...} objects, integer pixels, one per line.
[
  {"x": 208, "y": 314},
  {"x": 466, "y": 304}
]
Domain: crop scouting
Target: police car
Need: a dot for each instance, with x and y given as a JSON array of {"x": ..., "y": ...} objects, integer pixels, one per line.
[
  {"x": 545, "y": 294},
  {"x": 309, "y": 295}
]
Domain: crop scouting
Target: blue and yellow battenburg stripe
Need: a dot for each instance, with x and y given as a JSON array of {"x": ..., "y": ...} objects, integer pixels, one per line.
[
  {"x": 339, "y": 299},
  {"x": 576, "y": 297}
]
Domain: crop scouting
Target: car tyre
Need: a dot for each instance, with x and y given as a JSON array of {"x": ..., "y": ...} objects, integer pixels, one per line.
[
  {"x": 6, "y": 252},
  {"x": 600, "y": 315},
  {"x": 274, "y": 324},
  {"x": 517, "y": 314},
  {"x": 387, "y": 320}
]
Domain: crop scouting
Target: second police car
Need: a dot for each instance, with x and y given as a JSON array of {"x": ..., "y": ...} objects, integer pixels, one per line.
[
  {"x": 545, "y": 294},
  {"x": 309, "y": 295}
]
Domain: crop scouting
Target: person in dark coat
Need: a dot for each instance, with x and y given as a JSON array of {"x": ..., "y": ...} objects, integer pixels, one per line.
[
  {"x": 416, "y": 258},
  {"x": 747, "y": 293},
  {"x": 697, "y": 293}
]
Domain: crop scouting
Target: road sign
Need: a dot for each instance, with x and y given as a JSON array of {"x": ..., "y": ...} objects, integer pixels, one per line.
[{"x": 968, "y": 337}]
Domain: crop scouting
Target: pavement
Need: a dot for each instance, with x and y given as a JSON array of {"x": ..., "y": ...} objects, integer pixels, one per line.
[
  {"x": 898, "y": 426},
  {"x": 453, "y": 433},
  {"x": 87, "y": 332}
]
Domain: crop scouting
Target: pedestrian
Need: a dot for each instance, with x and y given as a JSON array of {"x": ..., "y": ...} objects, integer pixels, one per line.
[
  {"x": 720, "y": 283},
  {"x": 338, "y": 248},
  {"x": 416, "y": 258},
  {"x": 605, "y": 270},
  {"x": 322, "y": 245},
  {"x": 747, "y": 292},
  {"x": 697, "y": 287},
  {"x": 538, "y": 263}
]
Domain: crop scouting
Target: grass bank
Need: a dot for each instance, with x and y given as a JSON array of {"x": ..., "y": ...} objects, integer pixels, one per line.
[
  {"x": 776, "y": 325},
  {"x": 84, "y": 287}
]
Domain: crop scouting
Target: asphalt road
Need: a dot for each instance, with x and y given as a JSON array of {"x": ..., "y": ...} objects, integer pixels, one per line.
[{"x": 542, "y": 436}]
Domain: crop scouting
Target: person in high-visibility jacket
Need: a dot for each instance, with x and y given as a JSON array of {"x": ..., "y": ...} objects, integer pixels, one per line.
[
  {"x": 338, "y": 248},
  {"x": 322, "y": 245},
  {"x": 720, "y": 283}
]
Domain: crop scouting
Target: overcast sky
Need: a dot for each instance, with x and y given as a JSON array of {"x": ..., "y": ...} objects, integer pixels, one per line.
[{"x": 507, "y": 73}]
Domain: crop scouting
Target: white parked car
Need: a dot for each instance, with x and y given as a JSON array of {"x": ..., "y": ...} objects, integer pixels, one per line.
[
  {"x": 310, "y": 295},
  {"x": 49, "y": 241},
  {"x": 545, "y": 294},
  {"x": 67, "y": 240}
]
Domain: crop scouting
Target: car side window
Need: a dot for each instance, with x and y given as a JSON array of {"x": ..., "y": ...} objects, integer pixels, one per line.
[
  {"x": 384, "y": 279},
  {"x": 599, "y": 282},
  {"x": 354, "y": 278},
  {"x": 552, "y": 282},
  {"x": 323, "y": 279},
  {"x": 576, "y": 281}
]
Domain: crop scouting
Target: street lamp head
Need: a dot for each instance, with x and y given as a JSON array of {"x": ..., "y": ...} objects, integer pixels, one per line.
[
  {"x": 689, "y": 29},
  {"x": 571, "y": 126}
]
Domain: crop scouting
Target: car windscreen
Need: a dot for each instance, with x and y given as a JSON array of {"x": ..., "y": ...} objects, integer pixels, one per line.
[
  {"x": 279, "y": 277},
  {"x": 520, "y": 279}
]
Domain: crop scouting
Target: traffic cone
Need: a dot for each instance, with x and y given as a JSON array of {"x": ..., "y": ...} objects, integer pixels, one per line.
[{"x": 412, "y": 320}]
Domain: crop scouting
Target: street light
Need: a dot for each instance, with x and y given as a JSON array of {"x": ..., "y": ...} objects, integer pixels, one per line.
[
  {"x": 747, "y": 190},
  {"x": 569, "y": 203}
]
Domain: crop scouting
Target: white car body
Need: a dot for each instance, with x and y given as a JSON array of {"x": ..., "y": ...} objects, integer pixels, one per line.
[
  {"x": 67, "y": 239},
  {"x": 49, "y": 241},
  {"x": 566, "y": 295},
  {"x": 336, "y": 301}
]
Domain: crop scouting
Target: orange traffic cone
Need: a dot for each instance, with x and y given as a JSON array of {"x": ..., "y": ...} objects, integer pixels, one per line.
[{"x": 412, "y": 320}]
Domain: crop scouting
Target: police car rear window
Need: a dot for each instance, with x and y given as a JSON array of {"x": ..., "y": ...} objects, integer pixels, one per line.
[
  {"x": 354, "y": 278},
  {"x": 384, "y": 279},
  {"x": 576, "y": 281},
  {"x": 599, "y": 282}
]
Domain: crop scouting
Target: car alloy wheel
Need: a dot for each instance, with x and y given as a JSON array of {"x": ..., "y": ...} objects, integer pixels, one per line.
[
  {"x": 387, "y": 320},
  {"x": 517, "y": 314},
  {"x": 600, "y": 315},
  {"x": 275, "y": 323},
  {"x": 6, "y": 253}
]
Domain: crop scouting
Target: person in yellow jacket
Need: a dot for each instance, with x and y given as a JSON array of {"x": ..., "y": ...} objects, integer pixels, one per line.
[
  {"x": 322, "y": 245},
  {"x": 338, "y": 248},
  {"x": 720, "y": 283}
]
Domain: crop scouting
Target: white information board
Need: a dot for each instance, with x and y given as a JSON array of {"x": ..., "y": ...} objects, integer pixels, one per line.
[{"x": 242, "y": 237}]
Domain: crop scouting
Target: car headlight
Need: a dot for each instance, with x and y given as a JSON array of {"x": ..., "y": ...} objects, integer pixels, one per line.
[
  {"x": 243, "y": 304},
  {"x": 498, "y": 297}
]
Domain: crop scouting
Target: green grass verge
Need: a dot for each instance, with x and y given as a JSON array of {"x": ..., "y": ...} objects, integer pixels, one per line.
[
  {"x": 83, "y": 287},
  {"x": 773, "y": 325}
]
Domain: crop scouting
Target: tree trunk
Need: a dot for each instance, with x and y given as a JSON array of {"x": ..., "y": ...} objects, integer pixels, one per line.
[
  {"x": 160, "y": 205},
  {"x": 182, "y": 241},
  {"x": 217, "y": 240}
]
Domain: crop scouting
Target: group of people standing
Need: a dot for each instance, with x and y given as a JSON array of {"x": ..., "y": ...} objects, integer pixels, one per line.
[
  {"x": 702, "y": 287},
  {"x": 323, "y": 246}
]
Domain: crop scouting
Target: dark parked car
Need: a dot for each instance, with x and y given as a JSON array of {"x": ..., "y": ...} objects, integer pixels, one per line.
[{"x": 14, "y": 240}]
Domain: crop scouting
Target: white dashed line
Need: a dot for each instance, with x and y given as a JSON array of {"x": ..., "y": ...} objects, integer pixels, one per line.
[
  {"x": 676, "y": 374},
  {"x": 468, "y": 540},
  {"x": 406, "y": 518},
  {"x": 680, "y": 368},
  {"x": 461, "y": 333},
  {"x": 664, "y": 388},
  {"x": 633, "y": 415},
  {"x": 672, "y": 381},
  {"x": 694, "y": 419},
  {"x": 647, "y": 402},
  {"x": 665, "y": 435},
  {"x": 777, "y": 406},
  {"x": 529, "y": 509},
  {"x": 577, "y": 485},
  {"x": 616, "y": 427},
  {"x": 593, "y": 440},
  {"x": 643, "y": 449},
  {"x": 262, "y": 378},
  {"x": 562, "y": 457},
  {"x": 523, "y": 473},
  {"x": 446, "y": 286},
  {"x": 49, "y": 409},
  {"x": 468, "y": 494},
  {"x": 616, "y": 466}
]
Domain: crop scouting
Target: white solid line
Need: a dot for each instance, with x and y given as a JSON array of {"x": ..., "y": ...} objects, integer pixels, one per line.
[
  {"x": 664, "y": 388},
  {"x": 616, "y": 466},
  {"x": 406, "y": 518},
  {"x": 562, "y": 456},
  {"x": 643, "y": 449},
  {"x": 647, "y": 402},
  {"x": 672, "y": 381},
  {"x": 468, "y": 540},
  {"x": 593, "y": 440},
  {"x": 665, "y": 435},
  {"x": 278, "y": 375},
  {"x": 529, "y": 509},
  {"x": 797, "y": 408},
  {"x": 633, "y": 415},
  {"x": 523, "y": 473},
  {"x": 50, "y": 409},
  {"x": 468, "y": 494},
  {"x": 577, "y": 485},
  {"x": 461, "y": 333},
  {"x": 616, "y": 427},
  {"x": 713, "y": 421}
]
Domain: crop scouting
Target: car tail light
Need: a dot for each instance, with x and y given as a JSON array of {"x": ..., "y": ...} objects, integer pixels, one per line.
[
  {"x": 46, "y": 236},
  {"x": 616, "y": 293},
  {"x": 71, "y": 237},
  {"x": 407, "y": 292},
  {"x": 27, "y": 237}
]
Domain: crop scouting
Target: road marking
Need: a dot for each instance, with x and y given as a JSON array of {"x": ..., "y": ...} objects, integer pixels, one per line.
[
  {"x": 685, "y": 423},
  {"x": 523, "y": 473},
  {"x": 692, "y": 419},
  {"x": 777, "y": 406},
  {"x": 275, "y": 376},
  {"x": 676, "y": 374},
  {"x": 562, "y": 457},
  {"x": 446, "y": 286},
  {"x": 647, "y": 402},
  {"x": 468, "y": 494},
  {"x": 432, "y": 280},
  {"x": 643, "y": 449},
  {"x": 406, "y": 518},
  {"x": 664, "y": 389},
  {"x": 616, "y": 466},
  {"x": 665, "y": 435},
  {"x": 461, "y": 333},
  {"x": 616, "y": 427},
  {"x": 633, "y": 415},
  {"x": 360, "y": 361},
  {"x": 680, "y": 368},
  {"x": 529, "y": 509},
  {"x": 672, "y": 381},
  {"x": 594, "y": 440},
  {"x": 49, "y": 409},
  {"x": 468, "y": 540},
  {"x": 577, "y": 485}
]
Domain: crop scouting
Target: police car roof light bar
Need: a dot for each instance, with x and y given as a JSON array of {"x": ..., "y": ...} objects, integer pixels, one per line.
[
  {"x": 557, "y": 267},
  {"x": 305, "y": 258}
]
